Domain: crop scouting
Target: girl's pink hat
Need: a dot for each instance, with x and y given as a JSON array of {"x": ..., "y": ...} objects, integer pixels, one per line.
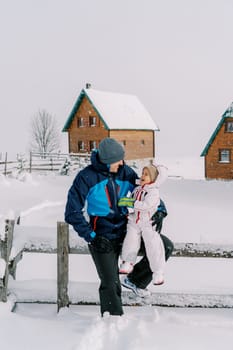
[{"x": 153, "y": 172}]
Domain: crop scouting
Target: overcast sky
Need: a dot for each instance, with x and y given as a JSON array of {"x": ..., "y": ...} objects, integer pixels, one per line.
[{"x": 176, "y": 56}]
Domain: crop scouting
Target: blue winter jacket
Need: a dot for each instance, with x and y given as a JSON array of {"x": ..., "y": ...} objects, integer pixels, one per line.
[{"x": 96, "y": 191}]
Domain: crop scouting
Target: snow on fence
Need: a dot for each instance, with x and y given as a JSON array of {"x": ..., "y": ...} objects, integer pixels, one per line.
[
  {"x": 43, "y": 162},
  {"x": 63, "y": 241}
]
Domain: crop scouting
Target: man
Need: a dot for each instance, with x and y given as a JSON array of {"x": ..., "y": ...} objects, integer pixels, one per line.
[{"x": 98, "y": 188}]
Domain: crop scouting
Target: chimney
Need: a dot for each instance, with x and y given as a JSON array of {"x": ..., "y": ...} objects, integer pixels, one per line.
[{"x": 88, "y": 85}]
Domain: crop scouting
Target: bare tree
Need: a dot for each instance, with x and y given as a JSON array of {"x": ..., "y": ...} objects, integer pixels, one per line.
[{"x": 44, "y": 133}]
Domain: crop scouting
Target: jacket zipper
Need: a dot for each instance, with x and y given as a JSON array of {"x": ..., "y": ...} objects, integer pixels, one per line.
[{"x": 115, "y": 192}]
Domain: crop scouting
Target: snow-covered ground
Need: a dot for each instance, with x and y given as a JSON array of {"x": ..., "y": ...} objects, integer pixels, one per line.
[
  {"x": 199, "y": 211},
  {"x": 38, "y": 327}
]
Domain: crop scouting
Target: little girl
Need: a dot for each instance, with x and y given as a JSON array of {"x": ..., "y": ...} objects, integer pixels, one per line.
[{"x": 139, "y": 226}]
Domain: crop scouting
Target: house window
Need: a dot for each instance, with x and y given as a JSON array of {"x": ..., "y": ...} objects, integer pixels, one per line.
[
  {"x": 124, "y": 143},
  {"x": 229, "y": 127},
  {"x": 92, "y": 145},
  {"x": 92, "y": 121},
  {"x": 142, "y": 142},
  {"x": 81, "y": 146},
  {"x": 224, "y": 156},
  {"x": 80, "y": 122}
]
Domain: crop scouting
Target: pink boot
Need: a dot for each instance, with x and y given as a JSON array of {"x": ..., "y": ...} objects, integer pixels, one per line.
[
  {"x": 126, "y": 267},
  {"x": 158, "y": 279}
]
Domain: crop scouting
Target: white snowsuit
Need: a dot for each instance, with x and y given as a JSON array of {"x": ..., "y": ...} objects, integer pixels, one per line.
[{"x": 139, "y": 226}]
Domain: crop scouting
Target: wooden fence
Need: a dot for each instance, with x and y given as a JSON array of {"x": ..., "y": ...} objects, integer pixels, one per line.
[
  {"x": 43, "y": 162},
  {"x": 61, "y": 242}
]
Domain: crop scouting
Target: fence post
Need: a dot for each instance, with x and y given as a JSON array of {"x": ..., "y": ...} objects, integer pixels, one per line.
[
  {"x": 5, "y": 167},
  {"x": 5, "y": 251},
  {"x": 62, "y": 265},
  {"x": 30, "y": 162},
  {"x": 51, "y": 163}
]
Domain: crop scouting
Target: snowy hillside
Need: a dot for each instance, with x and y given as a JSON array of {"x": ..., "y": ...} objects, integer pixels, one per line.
[{"x": 199, "y": 211}]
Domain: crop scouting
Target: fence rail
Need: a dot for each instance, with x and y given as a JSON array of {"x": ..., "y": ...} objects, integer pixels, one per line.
[
  {"x": 63, "y": 241},
  {"x": 42, "y": 162}
]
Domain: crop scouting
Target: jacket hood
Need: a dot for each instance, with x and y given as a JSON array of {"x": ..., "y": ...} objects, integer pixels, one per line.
[{"x": 96, "y": 163}]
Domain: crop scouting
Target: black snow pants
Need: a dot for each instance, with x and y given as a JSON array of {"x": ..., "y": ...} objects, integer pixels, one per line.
[
  {"x": 141, "y": 275},
  {"x": 110, "y": 286}
]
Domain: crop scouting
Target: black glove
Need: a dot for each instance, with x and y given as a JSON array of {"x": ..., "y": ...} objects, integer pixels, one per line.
[
  {"x": 101, "y": 244},
  {"x": 157, "y": 219}
]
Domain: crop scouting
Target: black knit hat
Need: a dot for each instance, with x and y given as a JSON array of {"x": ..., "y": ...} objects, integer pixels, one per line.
[{"x": 110, "y": 151}]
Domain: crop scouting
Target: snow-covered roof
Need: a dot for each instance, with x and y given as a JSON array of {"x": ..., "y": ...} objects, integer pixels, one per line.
[
  {"x": 117, "y": 111},
  {"x": 227, "y": 114}
]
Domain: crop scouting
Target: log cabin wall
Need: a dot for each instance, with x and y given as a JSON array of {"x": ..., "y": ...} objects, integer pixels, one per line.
[{"x": 214, "y": 167}]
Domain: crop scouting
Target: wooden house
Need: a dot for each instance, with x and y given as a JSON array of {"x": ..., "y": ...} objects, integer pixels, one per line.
[
  {"x": 218, "y": 152},
  {"x": 97, "y": 114}
]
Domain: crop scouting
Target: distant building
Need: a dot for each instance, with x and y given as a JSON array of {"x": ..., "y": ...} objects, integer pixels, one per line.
[
  {"x": 218, "y": 152},
  {"x": 97, "y": 114}
]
